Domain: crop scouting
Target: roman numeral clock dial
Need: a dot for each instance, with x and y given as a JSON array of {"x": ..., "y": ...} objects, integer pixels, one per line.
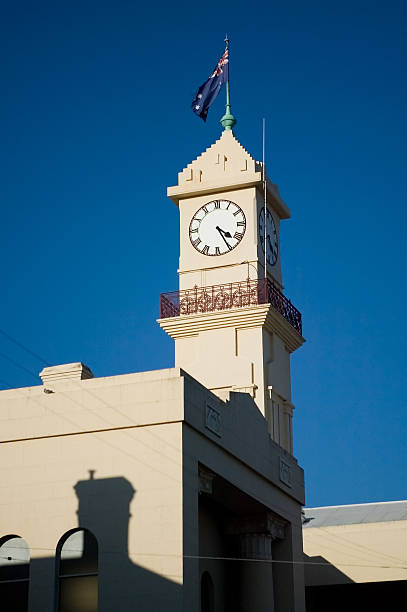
[
  {"x": 271, "y": 237},
  {"x": 217, "y": 227}
]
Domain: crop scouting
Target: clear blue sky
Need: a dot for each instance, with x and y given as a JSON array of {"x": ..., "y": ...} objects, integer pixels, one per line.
[{"x": 96, "y": 122}]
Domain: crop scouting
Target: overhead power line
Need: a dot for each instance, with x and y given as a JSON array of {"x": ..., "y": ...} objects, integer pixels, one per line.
[
  {"x": 217, "y": 558},
  {"x": 99, "y": 432},
  {"x": 18, "y": 365},
  {"x": 23, "y": 347}
]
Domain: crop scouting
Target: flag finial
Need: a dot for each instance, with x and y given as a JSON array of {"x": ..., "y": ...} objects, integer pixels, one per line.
[{"x": 228, "y": 120}]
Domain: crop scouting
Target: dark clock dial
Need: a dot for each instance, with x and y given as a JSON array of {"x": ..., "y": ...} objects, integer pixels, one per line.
[{"x": 271, "y": 237}]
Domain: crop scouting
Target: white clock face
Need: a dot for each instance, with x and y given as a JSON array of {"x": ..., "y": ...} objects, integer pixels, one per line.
[
  {"x": 217, "y": 227},
  {"x": 271, "y": 237}
]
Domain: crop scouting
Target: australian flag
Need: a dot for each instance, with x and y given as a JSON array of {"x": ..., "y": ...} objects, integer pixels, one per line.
[{"x": 207, "y": 92}]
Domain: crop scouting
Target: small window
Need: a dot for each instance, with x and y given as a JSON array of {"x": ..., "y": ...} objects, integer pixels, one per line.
[
  {"x": 207, "y": 593},
  {"x": 14, "y": 573},
  {"x": 77, "y": 568}
]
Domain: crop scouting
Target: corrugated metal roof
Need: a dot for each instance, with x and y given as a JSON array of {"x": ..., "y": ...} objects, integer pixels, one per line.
[{"x": 355, "y": 513}]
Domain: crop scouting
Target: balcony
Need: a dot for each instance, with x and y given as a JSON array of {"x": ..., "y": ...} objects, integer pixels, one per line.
[{"x": 232, "y": 295}]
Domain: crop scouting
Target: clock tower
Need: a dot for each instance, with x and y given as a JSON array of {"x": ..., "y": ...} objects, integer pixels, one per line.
[{"x": 233, "y": 327}]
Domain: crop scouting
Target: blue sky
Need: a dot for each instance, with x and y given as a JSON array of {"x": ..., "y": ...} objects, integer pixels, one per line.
[{"x": 96, "y": 122}]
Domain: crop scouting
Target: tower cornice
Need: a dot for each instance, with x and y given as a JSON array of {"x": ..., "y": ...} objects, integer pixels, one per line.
[
  {"x": 261, "y": 315},
  {"x": 178, "y": 193}
]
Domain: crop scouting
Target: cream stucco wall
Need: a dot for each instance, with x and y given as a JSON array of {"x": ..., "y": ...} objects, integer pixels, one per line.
[
  {"x": 362, "y": 552},
  {"x": 127, "y": 429},
  {"x": 244, "y": 349},
  {"x": 120, "y": 456},
  {"x": 244, "y": 435}
]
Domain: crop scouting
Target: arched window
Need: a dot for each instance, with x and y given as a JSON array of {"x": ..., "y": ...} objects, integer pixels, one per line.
[
  {"x": 207, "y": 593},
  {"x": 14, "y": 573},
  {"x": 77, "y": 570}
]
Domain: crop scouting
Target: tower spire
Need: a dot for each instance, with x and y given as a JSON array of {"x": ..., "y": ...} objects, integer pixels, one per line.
[{"x": 228, "y": 120}]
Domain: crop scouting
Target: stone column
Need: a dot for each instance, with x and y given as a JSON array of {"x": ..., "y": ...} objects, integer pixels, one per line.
[
  {"x": 279, "y": 415},
  {"x": 254, "y": 536},
  {"x": 288, "y": 409}
]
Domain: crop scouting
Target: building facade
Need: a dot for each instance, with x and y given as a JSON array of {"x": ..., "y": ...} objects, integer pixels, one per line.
[
  {"x": 173, "y": 489},
  {"x": 356, "y": 556}
]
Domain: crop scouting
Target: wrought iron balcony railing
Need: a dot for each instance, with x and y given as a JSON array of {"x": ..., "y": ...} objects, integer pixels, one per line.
[{"x": 231, "y": 295}]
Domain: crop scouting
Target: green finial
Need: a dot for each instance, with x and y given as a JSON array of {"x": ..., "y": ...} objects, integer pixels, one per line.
[{"x": 228, "y": 120}]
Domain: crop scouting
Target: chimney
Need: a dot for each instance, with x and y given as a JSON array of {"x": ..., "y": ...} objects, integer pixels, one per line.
[{"x": 66, "y": 371}]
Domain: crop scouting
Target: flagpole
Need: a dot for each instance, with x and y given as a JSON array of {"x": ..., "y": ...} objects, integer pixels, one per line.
[
  {"x": 265, "y": 197},
  {"x": 228, "y": 120},
  {"x": 227, "y": 82}
]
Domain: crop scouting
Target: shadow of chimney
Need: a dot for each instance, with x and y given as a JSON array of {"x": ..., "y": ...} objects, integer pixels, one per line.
[{"x": 122, "y": 585}]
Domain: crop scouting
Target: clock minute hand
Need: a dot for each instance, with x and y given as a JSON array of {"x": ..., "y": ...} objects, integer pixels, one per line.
[{"x": 224, "y": 235}]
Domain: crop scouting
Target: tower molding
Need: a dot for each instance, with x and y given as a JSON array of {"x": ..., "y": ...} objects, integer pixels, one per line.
[{"x": 261, "y": 315}]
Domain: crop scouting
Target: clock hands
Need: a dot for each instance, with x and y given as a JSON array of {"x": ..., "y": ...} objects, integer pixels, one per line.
[
  {"x": 224, "y": 236},
  {"x": 208, "y": 227},
  {"x": 227, "y": 234},
  {"x": 272, "y": 249}
]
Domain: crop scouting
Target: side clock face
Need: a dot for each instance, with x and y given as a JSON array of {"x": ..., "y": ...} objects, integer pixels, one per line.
[
  {"x": 271, "y": 237},
  {"x": 217, "y": 227}
]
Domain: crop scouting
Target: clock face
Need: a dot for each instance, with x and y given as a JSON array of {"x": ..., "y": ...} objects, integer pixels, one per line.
[
  {"x": 217, "y": 227},
  {"x": 271, "y": 237}
]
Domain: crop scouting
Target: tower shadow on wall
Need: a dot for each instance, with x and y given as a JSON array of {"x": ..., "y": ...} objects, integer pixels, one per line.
[{"x": 104, "y": 510}]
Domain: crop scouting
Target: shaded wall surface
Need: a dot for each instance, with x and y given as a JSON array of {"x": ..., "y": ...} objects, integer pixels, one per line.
[
  {"x": 14, "y": 572},
  {"x": 372, "y": 596}
]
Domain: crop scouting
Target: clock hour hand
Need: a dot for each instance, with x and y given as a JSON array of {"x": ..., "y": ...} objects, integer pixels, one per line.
[
  {"x": 224, "y": 235},
  {"x": 271, "y": 246}
]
